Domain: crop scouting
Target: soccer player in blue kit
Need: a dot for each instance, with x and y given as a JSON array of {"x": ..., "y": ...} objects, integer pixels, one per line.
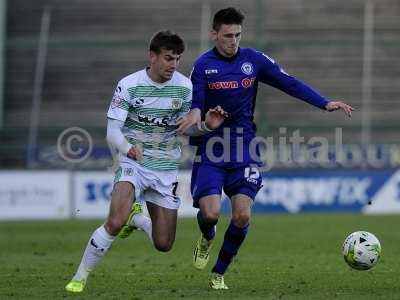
[{"x": 228, "y": 75}]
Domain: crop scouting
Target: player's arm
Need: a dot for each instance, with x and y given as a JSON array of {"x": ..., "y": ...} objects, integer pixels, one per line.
[
  {"x": 116, "y": 116},
  {"x": 271, "y": 73},
  {"x": 116, "y": 139},
  {"x": 214, "y": 118},
  {"x": 199, "y": 83}
]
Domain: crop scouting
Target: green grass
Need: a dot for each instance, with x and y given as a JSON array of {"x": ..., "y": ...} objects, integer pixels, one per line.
[{"x": 283, "y": 257}]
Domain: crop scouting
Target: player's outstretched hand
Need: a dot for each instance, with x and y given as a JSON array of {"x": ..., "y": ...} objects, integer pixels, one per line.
[
  {"x": 187, "y": 121},
  {"x": 135, "y": 153},
  {"x": 215, "y": 117},
  {"x": 337, "y": 105}
]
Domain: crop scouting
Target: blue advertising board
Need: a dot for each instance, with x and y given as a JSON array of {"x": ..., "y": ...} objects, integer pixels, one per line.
[{"x": 369, "y": 191}]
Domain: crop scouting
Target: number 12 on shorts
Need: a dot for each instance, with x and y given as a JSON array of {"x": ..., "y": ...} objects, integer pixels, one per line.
[{"x": 252, "y": 174}]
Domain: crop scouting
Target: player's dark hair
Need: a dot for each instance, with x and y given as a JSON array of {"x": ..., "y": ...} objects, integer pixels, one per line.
[
  {"x": 227, "y": 16},
  {"x": 168, "y": 40}
]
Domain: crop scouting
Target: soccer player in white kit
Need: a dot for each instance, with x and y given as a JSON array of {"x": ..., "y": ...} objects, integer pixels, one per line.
[{"x": 145, "y": 111}]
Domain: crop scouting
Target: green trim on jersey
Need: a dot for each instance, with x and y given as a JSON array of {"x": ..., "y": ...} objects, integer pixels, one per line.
[
  {"x": 152, "y": 91},
  {"x": 185, "y": 106},
  {"x": 156, "y": 112},
  {"x": 159, "y": 163},
  {"x": 118, "y": 174},
  {"x": 163, "y": 146},
  {"x": 123, "y": 105},
  {"x": 147, "y": 128}
]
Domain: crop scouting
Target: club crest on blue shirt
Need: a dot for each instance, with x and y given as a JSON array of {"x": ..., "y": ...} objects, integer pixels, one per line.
[
  {"x": 247, "y": 68},
  {"x": 176, "y": 103}
]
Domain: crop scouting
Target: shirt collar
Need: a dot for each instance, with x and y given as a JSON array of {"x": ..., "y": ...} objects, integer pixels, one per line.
[{"x": 220, "y": 56}]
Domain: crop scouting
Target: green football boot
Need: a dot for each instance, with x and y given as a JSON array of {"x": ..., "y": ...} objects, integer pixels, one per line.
[
  {"x": 217, "y": 282},
  {"x": 75, "y": 286},
  {"x": 127, "y": 229},
  {"x": 201, "y": 253}
]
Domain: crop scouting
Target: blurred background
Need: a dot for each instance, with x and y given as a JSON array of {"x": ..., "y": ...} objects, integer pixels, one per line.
[{"x": 61, "y": 61}]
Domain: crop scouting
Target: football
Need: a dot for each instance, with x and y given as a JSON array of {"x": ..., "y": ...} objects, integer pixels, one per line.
[{"x": 361, "y": 250}]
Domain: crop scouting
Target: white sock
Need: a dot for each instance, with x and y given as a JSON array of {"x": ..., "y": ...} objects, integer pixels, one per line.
[
  {"x": 98, "y": 244},
  {"x": 143, "y": 222}
]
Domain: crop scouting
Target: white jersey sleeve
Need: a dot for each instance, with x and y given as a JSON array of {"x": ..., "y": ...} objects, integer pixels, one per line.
[
  {"x": 119, "y": 106},
  {"x": 115, "y": 136},
  {"x": 187, "y": 101}
]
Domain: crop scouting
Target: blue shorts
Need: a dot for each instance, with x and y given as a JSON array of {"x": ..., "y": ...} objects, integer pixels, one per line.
[{"x": 209, "y": 179}]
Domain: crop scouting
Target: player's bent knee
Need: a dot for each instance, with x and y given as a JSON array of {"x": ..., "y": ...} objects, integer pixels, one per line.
[
  {"x": 241, "y": 219},
  {"x": 114, "y": 225},
  {"x": 210, "y": 217},
  {"x": 163, "y": 248},
  {"x": 163, "y": 245}
]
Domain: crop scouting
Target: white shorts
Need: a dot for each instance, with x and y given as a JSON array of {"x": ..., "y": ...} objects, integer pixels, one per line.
[{"x": 158, "y": 187}]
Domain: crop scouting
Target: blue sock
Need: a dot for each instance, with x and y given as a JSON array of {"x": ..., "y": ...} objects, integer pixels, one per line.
[
  {"x": 234, "y": 237},
  {"x": 206, "y": 228}
]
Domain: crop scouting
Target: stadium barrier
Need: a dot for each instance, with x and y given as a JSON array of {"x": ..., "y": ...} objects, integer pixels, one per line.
[
  {"x": 35, "y": 195},
  {"x": 67, "y": 194},
  {"x": 352, "y": 191}
]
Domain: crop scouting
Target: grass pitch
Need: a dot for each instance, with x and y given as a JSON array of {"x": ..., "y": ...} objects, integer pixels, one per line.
[{"x": 283, "y": 257}]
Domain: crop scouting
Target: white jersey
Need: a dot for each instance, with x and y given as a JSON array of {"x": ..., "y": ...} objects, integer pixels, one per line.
[{"x": 150, "y": 110}]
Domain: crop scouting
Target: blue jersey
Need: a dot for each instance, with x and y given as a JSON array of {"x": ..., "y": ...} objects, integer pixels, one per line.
[{"x": 232, "y": 83}]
